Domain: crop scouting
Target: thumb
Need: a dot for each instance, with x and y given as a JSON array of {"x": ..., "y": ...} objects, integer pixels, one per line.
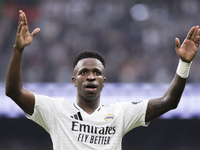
[
  {"x": 177, "y": 43},
  {"x": 35, "y": 32}
]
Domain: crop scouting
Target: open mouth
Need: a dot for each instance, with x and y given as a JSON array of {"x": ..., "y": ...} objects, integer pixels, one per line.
[{"x": 91, "y": 87}]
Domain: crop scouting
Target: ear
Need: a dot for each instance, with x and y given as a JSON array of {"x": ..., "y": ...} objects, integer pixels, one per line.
[
  {"x": 74, "y": 80},
  {"x": 104, "y": 81}
]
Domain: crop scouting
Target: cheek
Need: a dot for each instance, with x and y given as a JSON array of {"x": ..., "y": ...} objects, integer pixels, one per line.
[
  {"x": 79, "y": 81},
  {"x": 101, "y": 82}
]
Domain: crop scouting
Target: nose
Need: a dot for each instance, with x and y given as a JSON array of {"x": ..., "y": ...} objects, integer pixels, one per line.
[{"x": 91, "y": 76}]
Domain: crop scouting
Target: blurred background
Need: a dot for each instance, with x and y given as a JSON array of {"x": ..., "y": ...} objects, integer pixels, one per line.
[{"x": 136, "y": 38}]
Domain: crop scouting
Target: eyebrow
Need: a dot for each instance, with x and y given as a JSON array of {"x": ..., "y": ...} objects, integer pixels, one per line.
[
  {"x": 95, "y": 69},
  {"x": 83, "y": 69}
]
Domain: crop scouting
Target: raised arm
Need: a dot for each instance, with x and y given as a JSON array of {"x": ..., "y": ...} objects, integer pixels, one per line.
[
  {"x": 24, "y": 98},
  {"x": 186, "y": 52}
]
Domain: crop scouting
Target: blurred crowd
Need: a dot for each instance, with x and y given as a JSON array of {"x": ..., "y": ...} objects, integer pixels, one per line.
[{"x": 136, "y": 38}]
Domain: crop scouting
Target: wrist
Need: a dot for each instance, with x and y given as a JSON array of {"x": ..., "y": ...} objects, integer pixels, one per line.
[
  {"x": 16, "y": 48},
  {"x": 183, "y": 69}
]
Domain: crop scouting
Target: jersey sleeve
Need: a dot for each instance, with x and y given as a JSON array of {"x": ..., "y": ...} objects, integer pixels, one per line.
[
  {"x": 44, "y": 111},
  {"x": 134, "y": 115}
]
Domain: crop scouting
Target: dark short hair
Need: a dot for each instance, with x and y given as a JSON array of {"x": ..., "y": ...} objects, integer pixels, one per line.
[{"x": 89, "y": 54}]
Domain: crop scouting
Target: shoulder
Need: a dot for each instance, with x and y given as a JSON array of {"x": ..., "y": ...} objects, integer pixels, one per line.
[
  {"x": 118, "y": 106},
  {"x": 46, "y": 101},
  {"x": 127, "y": 106}
]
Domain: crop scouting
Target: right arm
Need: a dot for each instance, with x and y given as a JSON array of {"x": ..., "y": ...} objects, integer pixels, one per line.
[{"x": 23, "y": 98}]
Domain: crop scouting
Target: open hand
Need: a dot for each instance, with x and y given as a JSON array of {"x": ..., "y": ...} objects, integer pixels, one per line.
[
  {"x": 23, "y": 37},
  {"x": 188, "y": 49}
]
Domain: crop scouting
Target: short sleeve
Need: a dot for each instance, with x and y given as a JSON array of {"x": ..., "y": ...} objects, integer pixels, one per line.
[
  {"x": 134, "y": 115},
  {"x": 43, "y": 111}
]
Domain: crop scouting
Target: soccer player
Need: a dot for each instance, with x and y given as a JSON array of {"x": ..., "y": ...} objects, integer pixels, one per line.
[{"x": 86, "y": 124}]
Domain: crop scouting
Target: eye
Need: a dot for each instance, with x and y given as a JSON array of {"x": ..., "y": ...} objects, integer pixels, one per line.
[
  {"x": 82, "y": 72},
  {"x": 97, "y": 73}
]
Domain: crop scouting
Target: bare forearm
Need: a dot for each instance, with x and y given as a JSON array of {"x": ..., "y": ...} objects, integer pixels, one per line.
[
  {"x": 170, "y": 100},
  {"x": 174, "y": 92},
  {"x": 14, "y": 75}
]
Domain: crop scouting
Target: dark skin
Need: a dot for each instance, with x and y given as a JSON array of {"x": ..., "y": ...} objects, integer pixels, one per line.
[
  {"x": 89, "y": 79},
  {"x": 186, "y": 52},
  {"x": 89, "y": 76}
]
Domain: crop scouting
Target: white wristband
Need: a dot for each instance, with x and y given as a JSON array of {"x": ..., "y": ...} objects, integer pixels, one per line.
[{"x": 183, "y": 69}]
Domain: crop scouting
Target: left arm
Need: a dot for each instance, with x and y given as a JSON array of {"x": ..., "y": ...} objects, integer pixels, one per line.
[{"x": 186, "y": 52}]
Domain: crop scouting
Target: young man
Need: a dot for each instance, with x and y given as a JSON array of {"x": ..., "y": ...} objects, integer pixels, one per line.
[{"x": 86, "y": 124}]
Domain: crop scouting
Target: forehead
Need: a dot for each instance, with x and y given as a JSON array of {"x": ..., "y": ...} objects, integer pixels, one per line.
[{"x": 89, "y": 63}]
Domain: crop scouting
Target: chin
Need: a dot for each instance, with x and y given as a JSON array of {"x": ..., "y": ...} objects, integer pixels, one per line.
[{"x": 91, "y": 98}]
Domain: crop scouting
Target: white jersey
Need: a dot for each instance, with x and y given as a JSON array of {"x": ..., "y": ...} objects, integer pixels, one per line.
[{"x": 71, "y": 128}]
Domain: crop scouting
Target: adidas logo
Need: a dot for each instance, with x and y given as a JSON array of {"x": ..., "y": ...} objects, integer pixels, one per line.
[{"x": 77, "y": 116}]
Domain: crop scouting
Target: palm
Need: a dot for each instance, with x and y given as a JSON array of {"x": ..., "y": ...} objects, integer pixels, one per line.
[
  {"x": 189, "y": 47},
  {"x": 23, "y": 37}
]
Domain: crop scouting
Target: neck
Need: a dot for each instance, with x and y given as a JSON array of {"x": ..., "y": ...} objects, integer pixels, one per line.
[{"x": 88, "y": 106}]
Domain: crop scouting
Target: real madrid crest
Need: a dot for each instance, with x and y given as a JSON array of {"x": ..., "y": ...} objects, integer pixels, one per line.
[{"x": 109, "y": 117}]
